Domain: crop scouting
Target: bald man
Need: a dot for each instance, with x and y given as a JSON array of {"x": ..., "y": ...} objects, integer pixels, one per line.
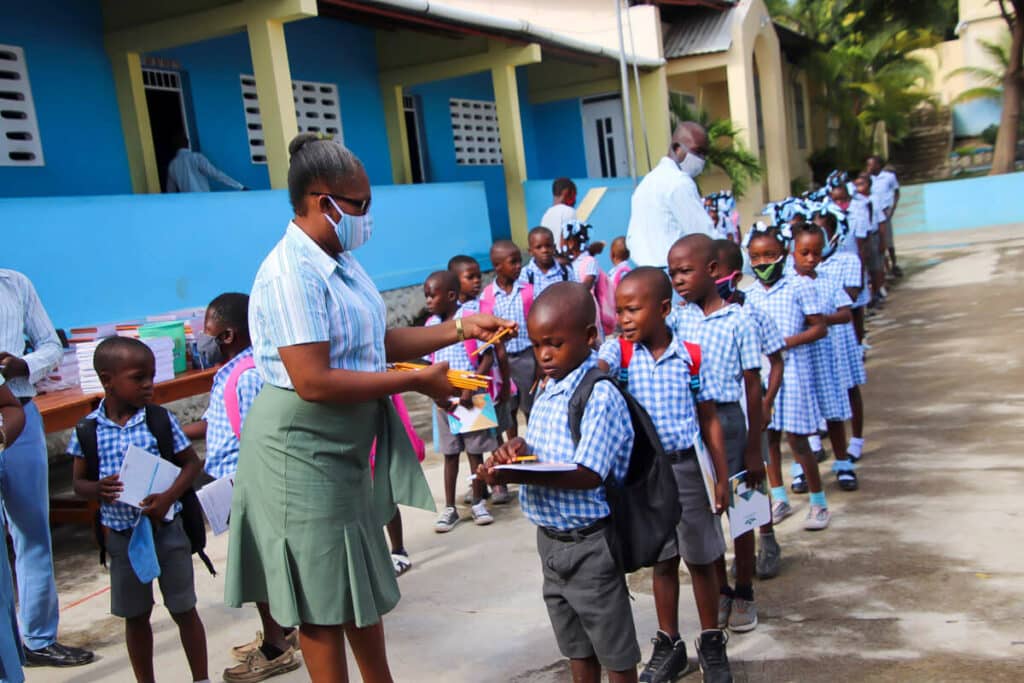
[{"x": 666, "y": 205}]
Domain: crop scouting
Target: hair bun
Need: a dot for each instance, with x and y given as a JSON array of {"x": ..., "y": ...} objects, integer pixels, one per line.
[{"x": 300, "y": 141}]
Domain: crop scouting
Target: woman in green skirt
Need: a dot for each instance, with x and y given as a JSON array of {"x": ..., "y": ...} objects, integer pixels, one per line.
[{"x": 306, "y": 519}]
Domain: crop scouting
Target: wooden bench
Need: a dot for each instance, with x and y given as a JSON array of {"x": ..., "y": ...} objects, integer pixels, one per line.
[{"x": 63, "y": 409}]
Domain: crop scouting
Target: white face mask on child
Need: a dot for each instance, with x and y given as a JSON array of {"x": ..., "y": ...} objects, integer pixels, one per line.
[{"x": 353, "y": 231}]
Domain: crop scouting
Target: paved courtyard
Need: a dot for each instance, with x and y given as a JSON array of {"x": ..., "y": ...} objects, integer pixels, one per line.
[{"x": 919, "y": 578}]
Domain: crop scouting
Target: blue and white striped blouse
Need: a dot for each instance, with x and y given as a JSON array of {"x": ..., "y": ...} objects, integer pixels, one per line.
[{"x": 302, "y": 295}]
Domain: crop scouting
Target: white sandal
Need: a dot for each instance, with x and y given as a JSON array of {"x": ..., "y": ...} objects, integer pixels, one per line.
[{"x": 401, "y": 563}]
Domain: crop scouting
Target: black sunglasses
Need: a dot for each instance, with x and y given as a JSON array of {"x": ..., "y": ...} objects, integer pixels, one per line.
[{"x": 363, "y": 204}]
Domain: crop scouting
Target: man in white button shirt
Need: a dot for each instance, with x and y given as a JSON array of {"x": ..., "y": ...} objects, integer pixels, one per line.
[
  {"x": 192, "y": 172},
  {"x": 24, "y": 471},
  {"x": 885, "y": 192},
  {"x": 666, "y": 204}
]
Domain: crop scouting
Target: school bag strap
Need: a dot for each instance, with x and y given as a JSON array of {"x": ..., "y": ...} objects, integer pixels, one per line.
[
  {"x": 85, "y": 430},
  {"x": 644, "y": 509},
  {"x": 158, "y": 421},
  {"x": 487, "y": 299},
  {"x": 695, "y": 358},
  {"x": 231, "y": 394}
]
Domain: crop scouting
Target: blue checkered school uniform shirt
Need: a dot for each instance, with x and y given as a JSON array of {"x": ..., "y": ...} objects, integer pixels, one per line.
[
  {"x": 768, "y": 334},
  {"x": 606, "y": 440},
  {"x": 221, "y": 442},
  {"x": 509, "y": 305},
  {"x": 663, "y": 388},
  {"x": 847, "y": 269},
  {"x": 728, "y": 342},
  {"x": 302, "y": 295},
  {"x": 541, "y": 280},
  {"x": 112, "y": 441},
  {"x": 456, "y": 354}
]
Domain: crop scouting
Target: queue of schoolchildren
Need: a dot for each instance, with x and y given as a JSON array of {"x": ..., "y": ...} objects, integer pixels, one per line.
[{"x": 608, "y": 369}]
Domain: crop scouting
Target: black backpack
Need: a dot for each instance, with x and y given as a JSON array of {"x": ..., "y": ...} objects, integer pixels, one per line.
[
  {"x": 645, "y": 509},
  {"x": 158, "y": 422}
]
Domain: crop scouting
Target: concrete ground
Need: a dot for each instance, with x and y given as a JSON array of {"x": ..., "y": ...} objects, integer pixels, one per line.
[{"x": 919, "y": 578}]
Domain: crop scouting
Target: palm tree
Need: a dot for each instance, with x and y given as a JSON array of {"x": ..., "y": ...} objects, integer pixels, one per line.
[
  {"x": 990, "y": 79},
  {"x": 1013, "y": 89},
  {"x": 725, "y": 150}
]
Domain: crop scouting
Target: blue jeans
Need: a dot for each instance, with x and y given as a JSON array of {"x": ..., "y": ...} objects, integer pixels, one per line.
[{"x": 25, "y": 486}]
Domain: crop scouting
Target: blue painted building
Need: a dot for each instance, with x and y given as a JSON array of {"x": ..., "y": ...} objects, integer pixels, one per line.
[{"x": 103, "y": 85}]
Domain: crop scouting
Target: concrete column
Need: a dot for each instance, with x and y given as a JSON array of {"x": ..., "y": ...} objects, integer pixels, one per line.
[
  {"x": 138, "y": 137},
  {"x": 274, "y": 90},
  {"x": 743, "y": 112},
  {"x": 773, "y": 114},
  {"x": 654, "y": 93},
  {"x": 506, "y": 98},
  {"x": 398, "y": 136}
]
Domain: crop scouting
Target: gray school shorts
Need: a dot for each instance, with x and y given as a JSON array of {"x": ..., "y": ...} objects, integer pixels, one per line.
[
  {"x": 476, "y": 443},
  {"x": 587, "y": 600},
  {"x": 698, "y": 538},
  {"x": 734, "y": 427},
  {"x": 523, "y": 367},
  {"x": 874, "y": 250},
  {"x": 129, "y": 597}
]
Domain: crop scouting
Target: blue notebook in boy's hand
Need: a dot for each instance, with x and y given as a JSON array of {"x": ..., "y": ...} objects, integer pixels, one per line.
[{"x": 481, "y": 416}]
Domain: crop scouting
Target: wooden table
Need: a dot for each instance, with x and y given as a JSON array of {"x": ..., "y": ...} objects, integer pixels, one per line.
[{"x": 63, "y": 409}]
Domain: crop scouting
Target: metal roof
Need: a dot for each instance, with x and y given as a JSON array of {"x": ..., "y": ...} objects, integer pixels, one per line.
[{"x": 703, "y": 31}]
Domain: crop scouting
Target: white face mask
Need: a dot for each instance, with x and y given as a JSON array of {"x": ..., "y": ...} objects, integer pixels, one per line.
[
  {"x": 692, "y": 165},
  {"x": 353, "y": 231}
]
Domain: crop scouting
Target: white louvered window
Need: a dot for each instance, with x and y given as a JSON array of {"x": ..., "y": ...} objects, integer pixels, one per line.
[
  {"x": 316, "y": 111},
  {"x": 475, "y": 133},
  {"x": 19, "y": 129}
]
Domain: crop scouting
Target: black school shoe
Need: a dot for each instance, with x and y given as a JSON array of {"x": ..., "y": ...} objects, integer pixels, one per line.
[
  {"x": 714, "y": 662},
  {"x": 56, "y": 654},
  {"x": 799, "y": 484},
  {"x": 668, "y": 661}
]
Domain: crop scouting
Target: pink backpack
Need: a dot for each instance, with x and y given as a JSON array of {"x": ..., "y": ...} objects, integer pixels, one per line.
[
  {"x": 231, "y": 395},
  {"x": 410, "y": 431},
  {"x": 604, "y": 294}
]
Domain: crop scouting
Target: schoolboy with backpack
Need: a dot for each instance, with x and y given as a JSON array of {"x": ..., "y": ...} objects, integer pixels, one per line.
[
  {"x": 664, "y": 374},
  {"x": 143, "y": 546},
  {"x": 582, "y": 558}
]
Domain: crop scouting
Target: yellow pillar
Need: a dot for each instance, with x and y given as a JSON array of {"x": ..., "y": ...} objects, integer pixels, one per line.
[
  {"x": 398, "y": 136},
  {"x": 773, "y": 114},
  {"x": 654, "y": 93},
  {"x": 506, "y": 97},
  {"x": 138, "y": 137},
  {"x": 743, "y": 112},
  {"x": 274, "y": 90}
]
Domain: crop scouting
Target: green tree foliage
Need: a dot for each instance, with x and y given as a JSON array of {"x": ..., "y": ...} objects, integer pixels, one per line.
[
  {"x": 725, "y": 151},
  {"x": 990, "y": 80},
  {"x": 870, "y": 80}
]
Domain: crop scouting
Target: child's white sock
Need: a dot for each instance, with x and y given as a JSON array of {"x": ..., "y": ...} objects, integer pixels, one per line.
[
  {"x": 815, "y": 441},
  {"x": 856, "y": 447}
]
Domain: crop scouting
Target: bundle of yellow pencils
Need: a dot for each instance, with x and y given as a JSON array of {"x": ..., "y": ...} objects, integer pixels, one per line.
[
  {"x": 460, "y": 379},
  {"x": 494, "y": 340}
]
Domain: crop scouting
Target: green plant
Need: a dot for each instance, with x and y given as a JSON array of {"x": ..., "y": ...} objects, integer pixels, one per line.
[
  {"x": 990, "y": 134},
  {"x": 990, "y": 79},
  {"x": 798, "y": 185},
  {"x": 725, "y": 150},
  {"x": 965, "y": 151}
]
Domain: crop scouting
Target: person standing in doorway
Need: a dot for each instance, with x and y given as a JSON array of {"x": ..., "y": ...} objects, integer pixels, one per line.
[
  {"x": 192, "y": 172},
  {"x": 562, "y": 210},
  {"x": 666, "y": 205},
  {"x": 24, "y": 471},
  {"x": 885, "y": 193}
]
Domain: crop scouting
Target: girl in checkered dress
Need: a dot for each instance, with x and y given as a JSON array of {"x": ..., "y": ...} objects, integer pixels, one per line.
[
  {"x": 829, "y": 385},
  {"x": 793, "y": 303},
  {"x": 846, "y": 268}
]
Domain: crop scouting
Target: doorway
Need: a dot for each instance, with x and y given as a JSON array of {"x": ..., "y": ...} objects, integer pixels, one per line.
[
  {"x": 604, "y": 137},
  {"x": 165, "y": 100},
  {"x": 411, "y": 111}
]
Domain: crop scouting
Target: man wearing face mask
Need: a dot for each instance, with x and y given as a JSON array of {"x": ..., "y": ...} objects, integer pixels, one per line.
[{"x": 666, "y": 205}]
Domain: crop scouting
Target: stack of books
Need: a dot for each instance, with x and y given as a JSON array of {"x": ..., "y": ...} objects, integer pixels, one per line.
[
  {"x": 163, "y": 350},
  {"x": 64, "y": 376},
  {"x": 87, "y": 377}
]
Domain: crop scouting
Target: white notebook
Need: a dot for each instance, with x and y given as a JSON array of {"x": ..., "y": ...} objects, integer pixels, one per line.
[{"x": 142, "y": 474}]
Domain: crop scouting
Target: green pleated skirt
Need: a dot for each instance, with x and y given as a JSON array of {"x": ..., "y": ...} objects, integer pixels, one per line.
[{"x": 306, "y": 530}]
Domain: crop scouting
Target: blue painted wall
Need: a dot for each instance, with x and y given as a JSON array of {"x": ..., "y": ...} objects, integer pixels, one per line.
[
  {"x": 76, "y": 105},
  {"x": 214, "y": 66},
  {"x": 126, "y": 256},
  {"x": 959, "y": 204},
  {"x": 440, "y": 155},
  {"x": 558, "y": 138},
  {"x": 609, "y": 220}
]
